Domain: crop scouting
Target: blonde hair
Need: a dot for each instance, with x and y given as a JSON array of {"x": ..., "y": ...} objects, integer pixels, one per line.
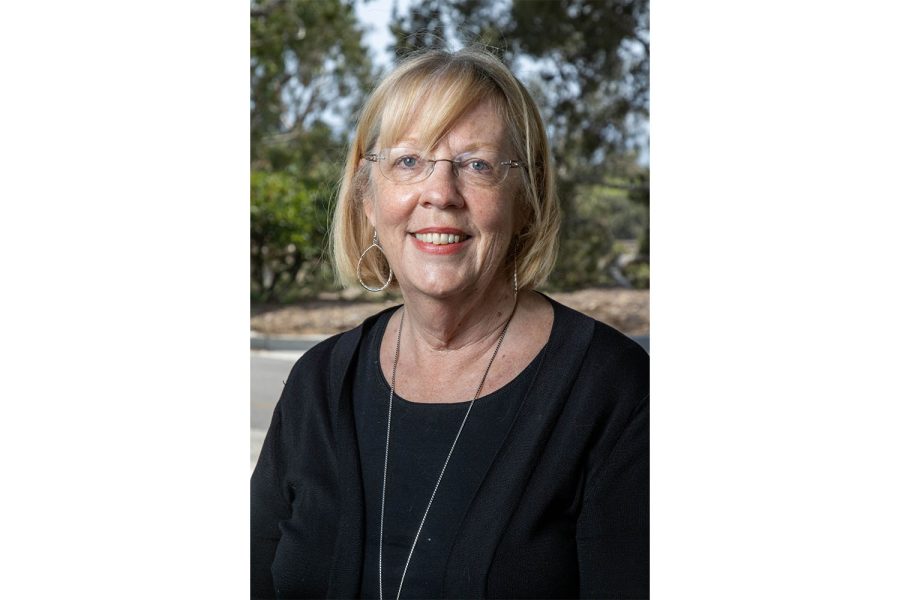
[{"x": 444, "y": 86}]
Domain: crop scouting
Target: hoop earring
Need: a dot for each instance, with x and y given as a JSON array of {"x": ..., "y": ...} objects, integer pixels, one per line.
[{"x": 359, "y": 265}]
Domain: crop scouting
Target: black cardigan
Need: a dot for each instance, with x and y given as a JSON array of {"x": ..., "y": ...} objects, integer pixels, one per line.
[{"x": 562, "y": 512}]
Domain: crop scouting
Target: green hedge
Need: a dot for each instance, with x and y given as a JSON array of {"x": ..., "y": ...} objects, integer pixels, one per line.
[{"x": 288, "y": 232}]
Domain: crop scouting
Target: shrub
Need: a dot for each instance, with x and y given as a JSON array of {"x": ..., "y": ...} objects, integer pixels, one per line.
[
  {"x": 585, "y": 252},
  {"x": 638, "y": 273},
  {"x": 288, "y": 230}
]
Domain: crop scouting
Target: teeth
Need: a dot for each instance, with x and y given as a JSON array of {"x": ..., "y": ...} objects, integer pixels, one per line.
[{"x": 438, "y": 239}]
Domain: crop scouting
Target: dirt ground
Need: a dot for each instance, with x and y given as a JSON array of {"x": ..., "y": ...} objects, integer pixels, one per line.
[{"x": 626, "y": 310}]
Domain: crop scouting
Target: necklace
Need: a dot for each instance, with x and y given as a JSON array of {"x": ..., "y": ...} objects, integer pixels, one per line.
[{"x": 387, "y": 442}]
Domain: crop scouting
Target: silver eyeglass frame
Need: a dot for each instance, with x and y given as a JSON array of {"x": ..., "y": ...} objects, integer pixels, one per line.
[{"x": 377, "y": 157}]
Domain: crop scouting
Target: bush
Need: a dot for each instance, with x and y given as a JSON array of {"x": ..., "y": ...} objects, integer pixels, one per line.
[
  {"x": 613, "y": 205},
  {"x": 595, "y": 217},
  {"x": 638, "y": 273},
  {"x": 288, "y": 233},
  {"x": 585, "y": 252}
]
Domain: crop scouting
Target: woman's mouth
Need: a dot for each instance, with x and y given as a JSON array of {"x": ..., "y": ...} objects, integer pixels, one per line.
[{"x": 440, "y": 239}]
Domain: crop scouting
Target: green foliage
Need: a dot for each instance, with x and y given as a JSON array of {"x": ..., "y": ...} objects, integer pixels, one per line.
[
  {"x": 288, "y": 229},
  {"x": 638, "y": 273},
  {"x": 611, "y": 204},
  {"x": 585, "y": 254},
  {"x": 308, "y": 70},
  {"x": 309, "y": 73}
]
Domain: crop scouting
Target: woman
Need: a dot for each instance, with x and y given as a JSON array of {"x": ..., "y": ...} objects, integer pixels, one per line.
[{"x": 480, "y": 440}]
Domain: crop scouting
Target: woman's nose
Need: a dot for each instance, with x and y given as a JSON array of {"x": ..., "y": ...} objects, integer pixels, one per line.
[{"x": 441, "y": 188}]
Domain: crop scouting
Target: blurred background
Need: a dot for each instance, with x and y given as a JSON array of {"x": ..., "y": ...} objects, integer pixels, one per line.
[{"x": 313, "y": 62}]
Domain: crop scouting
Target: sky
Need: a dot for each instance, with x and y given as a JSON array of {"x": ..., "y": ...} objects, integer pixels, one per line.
[{"x": 376, "y": 15}]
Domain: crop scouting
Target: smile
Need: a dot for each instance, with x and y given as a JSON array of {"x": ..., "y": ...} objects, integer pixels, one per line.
[{"x": 440, "y": 239}]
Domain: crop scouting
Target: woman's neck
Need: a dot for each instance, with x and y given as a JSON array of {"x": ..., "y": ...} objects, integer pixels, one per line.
[
  {"x": 463, "y": 321},
  {"x": 445, "y": 349}
]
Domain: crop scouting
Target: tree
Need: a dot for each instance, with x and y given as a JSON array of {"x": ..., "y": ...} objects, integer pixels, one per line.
[
  {"x": 309, "y": 73},
  {"x": 421, "y": 28},
  {"x": 307, "y": 65}
]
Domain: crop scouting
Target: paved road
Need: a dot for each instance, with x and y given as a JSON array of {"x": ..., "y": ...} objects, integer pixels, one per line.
[{"x": 267, "y": 372}]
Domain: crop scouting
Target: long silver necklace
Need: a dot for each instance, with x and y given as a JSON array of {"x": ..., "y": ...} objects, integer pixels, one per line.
[{"x": 387, "y": 442}]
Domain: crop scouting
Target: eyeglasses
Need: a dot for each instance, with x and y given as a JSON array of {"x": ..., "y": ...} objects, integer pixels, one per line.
[{"x": 408, "y": 165}]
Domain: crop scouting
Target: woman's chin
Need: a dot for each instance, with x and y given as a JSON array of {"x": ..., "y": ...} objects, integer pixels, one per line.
[
  {"x": 442, "y": 292},
  {"x": 448, "y": 287},
  {"x": 439, "y": 288}
]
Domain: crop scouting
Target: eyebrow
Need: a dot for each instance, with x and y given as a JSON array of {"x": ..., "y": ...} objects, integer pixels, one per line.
[{"x": 478, "y": 145}]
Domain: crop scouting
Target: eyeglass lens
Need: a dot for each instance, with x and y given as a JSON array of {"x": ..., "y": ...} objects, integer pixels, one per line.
[{"x": 410, "y": 165}]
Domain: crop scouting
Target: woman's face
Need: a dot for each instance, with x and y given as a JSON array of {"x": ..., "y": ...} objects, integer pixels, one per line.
[{"x": 408, "y": 217}]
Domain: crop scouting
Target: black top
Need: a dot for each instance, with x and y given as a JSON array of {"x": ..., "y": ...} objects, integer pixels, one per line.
[
  {"x": 563, "y": 510},
  {"x": 421, "y": 436}
]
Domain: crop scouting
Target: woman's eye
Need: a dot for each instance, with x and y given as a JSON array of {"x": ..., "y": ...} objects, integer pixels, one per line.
[
  {"x": 407, "y": 162},
  {"x": 479, "y": 165}
]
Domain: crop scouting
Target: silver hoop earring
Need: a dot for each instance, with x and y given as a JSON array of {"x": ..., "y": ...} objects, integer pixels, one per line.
[{"x": 359, "y": 265}]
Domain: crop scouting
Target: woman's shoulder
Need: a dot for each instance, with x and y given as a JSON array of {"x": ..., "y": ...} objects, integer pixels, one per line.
[
  {"x": 324, "y": 365},
  {"x": 605, "y": 338},
  {"x": 599, "y": 380},
  {"x": 340, "y": 346},
  {"x": 331, "y": 357},
  {"x": 606, "y": 355}
]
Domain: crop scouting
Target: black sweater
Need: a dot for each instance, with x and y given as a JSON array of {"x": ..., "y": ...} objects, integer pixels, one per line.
[
  {"x": 563, "y": 511},
  {"x": 421, "y": 436}
]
